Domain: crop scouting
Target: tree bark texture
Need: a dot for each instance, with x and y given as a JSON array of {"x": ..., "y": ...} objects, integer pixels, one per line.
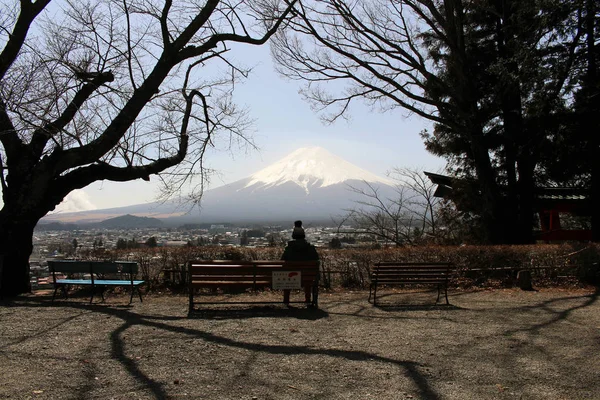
[{"x": 16, "y": 245}]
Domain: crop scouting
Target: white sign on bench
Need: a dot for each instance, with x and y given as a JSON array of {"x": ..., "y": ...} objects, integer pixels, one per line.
[{"x": 287, "y": 280}]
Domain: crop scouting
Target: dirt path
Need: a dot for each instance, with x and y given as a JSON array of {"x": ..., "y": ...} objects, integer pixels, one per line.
[{"x": 504, "y": 344}]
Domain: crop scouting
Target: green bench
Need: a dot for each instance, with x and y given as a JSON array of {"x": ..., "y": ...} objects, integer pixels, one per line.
[
  {"x": 96, "y": 274},
  {"x": 403, "y": 273},
  {"x": 235, "y": 274}
]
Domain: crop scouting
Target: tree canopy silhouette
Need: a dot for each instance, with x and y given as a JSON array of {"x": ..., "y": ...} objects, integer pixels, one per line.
[
  {"x": 117, "y": 91},
  {"x": 497, "y": 79}
]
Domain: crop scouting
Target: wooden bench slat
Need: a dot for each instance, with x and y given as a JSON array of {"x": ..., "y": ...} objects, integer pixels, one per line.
[
  {"x": 270, "y": 265},
  {"x": 409, "y": 271},
  {"x": 399, "y": 281},
  {"x": 414, "y": 264},
  {"x": 406, "y": 266},
  {"x": 303, "y": 277},
  {"x": 220, "y": 271},
  {"x": 400, "y": 278},
  {"x": 241, "y": 277},
  {"x": 391, "y": 267},
  {"x": 116, "y": 282},
  {"x": 403, "y": 278},
  {"x": 233, "y": 278},
  {"x": 397, "y": 270},
  {"x": 74, "y": 281},
  {"x": 248, "y": 284},
  {"x": 245, "y": 271}
]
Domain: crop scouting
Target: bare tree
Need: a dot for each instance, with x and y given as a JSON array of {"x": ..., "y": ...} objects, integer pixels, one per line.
[
  {"x": 406, "y": 217},
  {"x": 490, "y": 75},
  {"x": 383, "y": 217},
  {"x": 115, "y": 90},
  {"x": 422, "y": 203}
]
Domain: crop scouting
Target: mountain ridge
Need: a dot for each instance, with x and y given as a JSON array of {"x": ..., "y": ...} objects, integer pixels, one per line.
[
  {"x": 312, "y": 163},
  {"x": 309, "y": 183}
]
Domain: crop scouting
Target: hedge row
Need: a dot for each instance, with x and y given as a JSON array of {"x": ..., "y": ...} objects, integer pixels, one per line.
[{"x": 564, "y": 264}]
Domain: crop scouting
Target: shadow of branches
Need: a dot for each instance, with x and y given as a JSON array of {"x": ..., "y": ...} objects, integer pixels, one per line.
[{"x": 132, "y": 319}]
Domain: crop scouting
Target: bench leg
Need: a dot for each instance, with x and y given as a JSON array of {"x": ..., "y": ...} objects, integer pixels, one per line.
[
  {"x": 375, "y": 294},
  {"x": 286, "y": 296},
  {"x": 446, "y": 292},
  {"x": 315, "y": 295},
  {"x": 55, "y": 290},
  {"x": 445, "y": 287},
  {"x": 308, "y": 292},
  {"x": 93, "y": 290},
  {"x": 133, "y": 288}
]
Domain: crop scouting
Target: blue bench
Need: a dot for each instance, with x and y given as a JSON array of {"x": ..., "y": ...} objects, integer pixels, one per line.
[{"x": 97, "y": 274}]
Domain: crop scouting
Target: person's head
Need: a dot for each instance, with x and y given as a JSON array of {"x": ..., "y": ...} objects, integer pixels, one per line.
[{"x": 298, "y": 232}]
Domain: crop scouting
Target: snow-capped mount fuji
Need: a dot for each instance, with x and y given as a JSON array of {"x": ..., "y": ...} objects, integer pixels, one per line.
[
  {"x": 311, "y": 184},
  {"x": 311, "y": 167}
]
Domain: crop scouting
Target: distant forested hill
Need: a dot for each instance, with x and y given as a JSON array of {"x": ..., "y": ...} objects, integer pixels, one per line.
[
  {"x": 56, "y": 226},
  {"x": 128, "y": 222}
]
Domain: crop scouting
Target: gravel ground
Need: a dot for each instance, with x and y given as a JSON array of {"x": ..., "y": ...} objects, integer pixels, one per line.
[{"x": 494, "y": 344}]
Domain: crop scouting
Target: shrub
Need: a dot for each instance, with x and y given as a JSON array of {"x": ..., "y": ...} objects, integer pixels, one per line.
[{"x": 560, "y": 264}]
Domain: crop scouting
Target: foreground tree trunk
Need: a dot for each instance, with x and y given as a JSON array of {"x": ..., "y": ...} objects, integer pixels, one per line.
[
  {"x": 16, "y": 246},
  {"x": 591, "y": 100}
]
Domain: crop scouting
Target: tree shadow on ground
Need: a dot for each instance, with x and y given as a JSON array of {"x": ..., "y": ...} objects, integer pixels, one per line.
[
  {"x": 555, "y": 315},
  {"x": 130, "y": 318},
  {"x": 423, "y": 303},
  {"x": 158, "y": 389},
  {"x": 42, "y": 332},
  {"x": 217, "y": 313},
  {"x": 416, "y": 307}
]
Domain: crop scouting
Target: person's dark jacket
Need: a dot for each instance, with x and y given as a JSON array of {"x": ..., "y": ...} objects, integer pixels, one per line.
[{"x": 300, "y": 250}]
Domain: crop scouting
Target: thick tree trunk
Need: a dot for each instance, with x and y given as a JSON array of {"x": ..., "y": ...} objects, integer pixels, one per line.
[
  {"x": 492, "y": 207},
  {"x": 526, "y": 197},
  {"x": 590, "y": 112},
  {"x": 496, "y": 225},
  {"x": 595, "y": 192},
  {"x": 16, "y": 235}
]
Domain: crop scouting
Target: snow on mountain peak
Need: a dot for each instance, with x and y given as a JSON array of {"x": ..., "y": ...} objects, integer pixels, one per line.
[{"x": 312, "y": 166}]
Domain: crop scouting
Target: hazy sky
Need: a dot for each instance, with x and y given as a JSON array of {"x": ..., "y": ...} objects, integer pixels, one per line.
[{"x": 284, "y": 122}]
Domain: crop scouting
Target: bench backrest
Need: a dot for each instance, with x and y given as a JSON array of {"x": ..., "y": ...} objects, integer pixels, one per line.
[
  {"x": 96, "y": 267},
  {"x": 114, "y": 267},
  {"x": 390, "y": 272},
  {"x": 69, "y": 266},
  {"x": 248, "y": 272}
]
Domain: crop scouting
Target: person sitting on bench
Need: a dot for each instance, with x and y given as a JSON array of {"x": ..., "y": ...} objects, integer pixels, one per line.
[{"x": 299, "y": 249}]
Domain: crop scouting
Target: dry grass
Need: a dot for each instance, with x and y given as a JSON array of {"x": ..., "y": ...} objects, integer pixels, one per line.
[{"x": 492, "y": 344}]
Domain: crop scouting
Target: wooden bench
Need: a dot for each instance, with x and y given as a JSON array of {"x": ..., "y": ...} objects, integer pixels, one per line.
[
  {"x": 227, "y": 274},
  {"x": 399, "y": 273},
  {"x": 97, "y": 274}
]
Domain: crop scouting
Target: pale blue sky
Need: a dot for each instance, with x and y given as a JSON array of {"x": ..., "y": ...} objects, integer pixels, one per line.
[{"x": 284, "y": 122}]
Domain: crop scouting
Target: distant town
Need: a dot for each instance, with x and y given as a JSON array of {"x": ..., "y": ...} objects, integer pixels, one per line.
[{"x": 68, "y": 243}]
